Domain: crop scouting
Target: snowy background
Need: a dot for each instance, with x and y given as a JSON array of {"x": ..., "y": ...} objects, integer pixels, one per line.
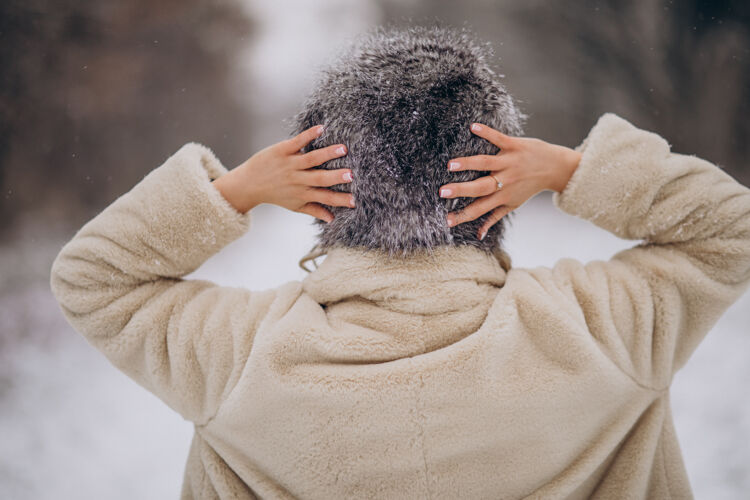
[{"x": 73, "y": 426}]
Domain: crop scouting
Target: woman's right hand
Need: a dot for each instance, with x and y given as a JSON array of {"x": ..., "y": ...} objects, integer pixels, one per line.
[
  {"x": 282, "y": 175},
  {"x": 525, "y": 166}
]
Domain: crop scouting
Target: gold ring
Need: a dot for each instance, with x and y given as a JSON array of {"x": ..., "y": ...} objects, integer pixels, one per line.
[{"x": 499, "y": 184}]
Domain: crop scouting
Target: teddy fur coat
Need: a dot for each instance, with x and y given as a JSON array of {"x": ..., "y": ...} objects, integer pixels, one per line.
[{"x": 449, "y": 376}]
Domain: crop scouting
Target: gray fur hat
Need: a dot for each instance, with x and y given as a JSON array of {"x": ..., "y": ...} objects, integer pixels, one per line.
[{"x": 402, "y": 101}]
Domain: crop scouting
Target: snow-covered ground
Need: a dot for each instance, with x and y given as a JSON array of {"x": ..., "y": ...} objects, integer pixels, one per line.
[{"x": 74, "y": 427}]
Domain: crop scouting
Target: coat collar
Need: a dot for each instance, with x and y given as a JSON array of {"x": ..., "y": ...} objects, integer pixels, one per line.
[{"x": 419, "y": 283}]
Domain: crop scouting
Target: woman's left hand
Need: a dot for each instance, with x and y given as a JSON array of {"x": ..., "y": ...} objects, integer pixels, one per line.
[
  {"x": 280, "y": 174},
  {"x": 524, "y": 165}
]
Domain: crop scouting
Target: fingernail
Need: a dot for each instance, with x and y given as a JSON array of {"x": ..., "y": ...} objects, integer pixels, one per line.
[
  {"x": 351, "y": 201},
  {"x": 329, "y": 219},
  {"x": 347, "y": 176},
  {"x": 482, "y": 234},
  {"x": 475, "y": 127},
  {"x": 319, "y": 132},
  {"x": 454, "y": 165},
  {"x": 450, "y": 220},
  {"x": 445, "y": 192},
  {"x": 341, "y": 150}
]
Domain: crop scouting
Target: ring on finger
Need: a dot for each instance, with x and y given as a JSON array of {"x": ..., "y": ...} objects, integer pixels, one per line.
[{"x": 499, "y": 184}]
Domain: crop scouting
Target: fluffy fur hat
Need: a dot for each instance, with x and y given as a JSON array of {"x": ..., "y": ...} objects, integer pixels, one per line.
[{"x": 402, "y": 100}]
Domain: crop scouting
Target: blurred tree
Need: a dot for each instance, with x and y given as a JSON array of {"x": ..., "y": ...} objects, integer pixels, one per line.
[
  {"x": 96, "y": 93},
  {"x": 681, "y": 68}
]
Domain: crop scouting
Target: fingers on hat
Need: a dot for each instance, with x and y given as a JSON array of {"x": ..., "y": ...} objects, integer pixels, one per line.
[
  {"x": 302, "y": 139},
  {"x": 478, "y": 187},
  {"x": 496, "y": 137}
]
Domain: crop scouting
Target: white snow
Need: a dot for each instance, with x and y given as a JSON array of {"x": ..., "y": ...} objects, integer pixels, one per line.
[{"x": 75, "y": 427}]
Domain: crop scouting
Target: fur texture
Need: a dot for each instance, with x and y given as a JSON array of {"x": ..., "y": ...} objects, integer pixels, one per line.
[
  {"x": 402, "y": 101},
  {"x": 440, "y": 376}
]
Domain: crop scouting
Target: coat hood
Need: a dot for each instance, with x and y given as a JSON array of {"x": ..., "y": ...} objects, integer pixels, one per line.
[
  {"x": 401, "y": 283},
  {"x": 406, "y": 306}
]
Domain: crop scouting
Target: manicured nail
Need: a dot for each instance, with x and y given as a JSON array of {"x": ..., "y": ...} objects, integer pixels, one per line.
[
  {"x": 450, "y": 220},
  {"x": 347, "y": 176},
  {"x": 482, "y": 234},
  {"x": 341, "y": 150},
  {"x": 351, "y": 201},
  {"x": 454, "y": 165},
  {"x": 445, "y": 192},
  {"x": 476, "y": 127},
  {"x": 319, "y": 131}
]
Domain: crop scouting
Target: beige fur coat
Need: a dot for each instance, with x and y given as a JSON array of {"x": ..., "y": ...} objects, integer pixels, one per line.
[{"x": 455, "y": 376}]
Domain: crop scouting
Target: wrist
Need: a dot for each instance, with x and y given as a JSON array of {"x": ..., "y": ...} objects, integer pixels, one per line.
[
  {"x": 233, "y": 186},
  {"x": 564, "y": 171}
]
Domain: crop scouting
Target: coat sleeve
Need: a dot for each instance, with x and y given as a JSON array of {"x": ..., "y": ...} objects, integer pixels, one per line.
[
  {"x": 119, "y": 283},
  {"x": 650, "y": 305}
]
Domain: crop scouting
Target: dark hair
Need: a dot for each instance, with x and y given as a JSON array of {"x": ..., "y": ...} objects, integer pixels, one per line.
[{"x": 402, "y": 100}]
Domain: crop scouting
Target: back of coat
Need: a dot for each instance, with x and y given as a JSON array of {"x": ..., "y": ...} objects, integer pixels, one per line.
[{"x": 447, "y": 375}]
